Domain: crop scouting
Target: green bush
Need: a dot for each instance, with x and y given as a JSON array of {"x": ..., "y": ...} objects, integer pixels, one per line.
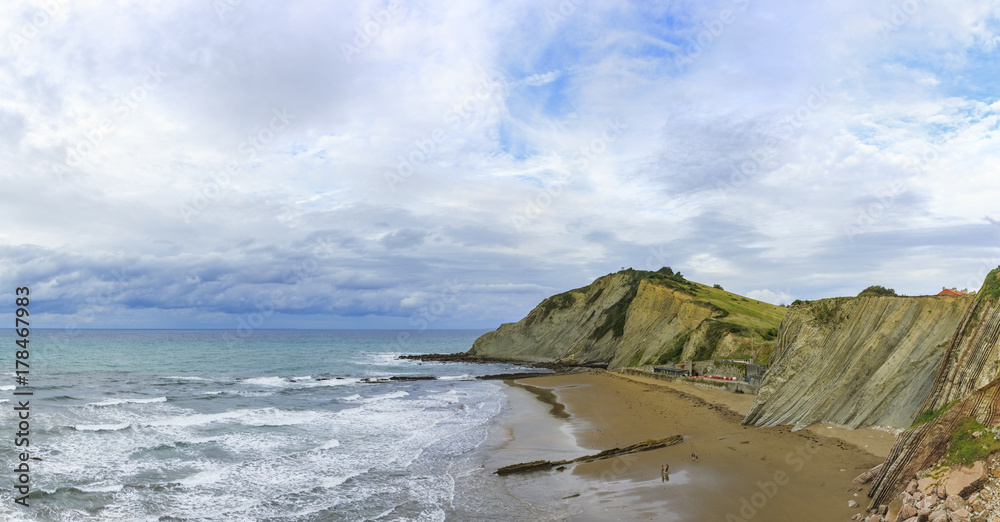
[
  {"x": 827, "y": 311},
  {"x": 991, "y": 285},
  {"x": 931, "y": 414},
  {"x": 877, "y": 290},
  {"x": 676, "y": 348},
  {"x": 594, "y": 297},
  {"x": 717, "y": 285},
  {"x": 615, "y": 316}
]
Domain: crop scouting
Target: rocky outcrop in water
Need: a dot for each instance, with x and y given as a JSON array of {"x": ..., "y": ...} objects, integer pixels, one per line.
[
  {"x": 856, "y": 361},
  {"x": 542, "y": 465}
]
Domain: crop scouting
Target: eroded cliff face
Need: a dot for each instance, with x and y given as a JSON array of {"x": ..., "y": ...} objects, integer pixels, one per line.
[
  {"x": 967, "y": 385},
  {"x": 619, "y": 320},
  {"x": 856, "y": 361}
]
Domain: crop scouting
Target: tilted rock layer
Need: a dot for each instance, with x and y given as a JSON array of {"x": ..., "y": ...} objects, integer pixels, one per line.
[
  {"x": 967, "y": 385},
  {"x": 856, "y": 361},
  {"x": 627, "y": 319}
]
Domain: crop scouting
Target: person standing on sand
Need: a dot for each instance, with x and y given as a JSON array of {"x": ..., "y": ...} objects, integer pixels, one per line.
[
  {"x": 694, "y": 457},
  {"x": 664, "y": 471}
]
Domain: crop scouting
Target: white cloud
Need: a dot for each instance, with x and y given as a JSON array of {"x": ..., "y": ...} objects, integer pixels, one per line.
[
  {"x": 730, "y": 168},
  {"x": 770, "y": 297}
]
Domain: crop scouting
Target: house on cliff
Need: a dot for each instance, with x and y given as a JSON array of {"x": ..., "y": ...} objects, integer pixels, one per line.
[{"x": 955, "y": 291}]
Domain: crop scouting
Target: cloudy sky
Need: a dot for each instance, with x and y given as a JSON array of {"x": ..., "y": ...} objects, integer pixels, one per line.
[{"x": 432, "y": 164}]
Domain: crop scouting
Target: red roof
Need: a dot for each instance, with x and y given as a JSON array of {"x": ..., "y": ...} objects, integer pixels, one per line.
[{"x": 950, "y": 291}]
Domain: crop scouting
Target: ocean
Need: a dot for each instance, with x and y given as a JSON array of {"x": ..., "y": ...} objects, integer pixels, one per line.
[{"x": 171, "y": 425}]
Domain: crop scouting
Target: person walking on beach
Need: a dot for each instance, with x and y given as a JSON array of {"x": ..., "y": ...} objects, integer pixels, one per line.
[
  {"x": 664, "y": 472},
  {"x": 694, "y": 457}
]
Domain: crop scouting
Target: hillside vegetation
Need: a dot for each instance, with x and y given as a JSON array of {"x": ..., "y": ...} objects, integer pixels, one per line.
[{"x": 636, "y": 317}]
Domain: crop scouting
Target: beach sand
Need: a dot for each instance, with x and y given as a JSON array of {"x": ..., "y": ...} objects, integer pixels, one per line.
[{"x": 743, "y": 473}]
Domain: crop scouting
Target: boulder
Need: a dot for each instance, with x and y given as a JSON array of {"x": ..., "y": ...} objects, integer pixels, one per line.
[
  {"x": 893, "y": 510},
  {"x": 965, "y": 480},
  {"x": 938, "y": 516},
  {"x": 961, "y": 515},
  {"x": 852, "y": 504},
  {"x": 874, "y": 518},
  {"x": 954, "y": 502},
  {"x": 927, "y": 485}
]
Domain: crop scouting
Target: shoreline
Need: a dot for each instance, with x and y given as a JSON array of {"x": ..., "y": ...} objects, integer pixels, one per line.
[{"x": 743, "y": 472}]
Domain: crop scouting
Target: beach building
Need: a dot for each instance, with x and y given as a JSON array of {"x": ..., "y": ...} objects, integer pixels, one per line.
[{"x": 955, "y": 291}]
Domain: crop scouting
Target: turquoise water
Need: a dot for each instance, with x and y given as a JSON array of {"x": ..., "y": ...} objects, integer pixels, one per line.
[{"x": 203, "y": 425}]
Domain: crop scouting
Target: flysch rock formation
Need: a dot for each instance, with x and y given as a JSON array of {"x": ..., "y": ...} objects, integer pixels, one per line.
[
  {"x": 856, "y": 361},
  {"x": 622, "y": 319},
  {"x": 967, "y": 385}
]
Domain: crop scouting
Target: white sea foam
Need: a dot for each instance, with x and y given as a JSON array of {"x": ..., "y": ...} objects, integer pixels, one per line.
[
  {"x": 260, "y": 417},
  {"x": 185, "y": 378},
  {"x": 388, "y": 396},
  {"x": 115, "y": 402},
  {"x": 330, "y": 444},
  {"x": 113, "y": 488},
  {"x": 101, "y": 427},
  {"x": 8, "y": 387},
  {"x": 204, "y": 478},
  {"x": 267, "y": 381},
  {"x": 351, "y": 398},
  {"x": 463, "y": 377},
  {"x": 213, "y": 393}
]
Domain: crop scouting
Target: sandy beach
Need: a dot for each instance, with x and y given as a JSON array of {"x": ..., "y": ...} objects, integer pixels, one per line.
[{"x": 743, "y": 473}]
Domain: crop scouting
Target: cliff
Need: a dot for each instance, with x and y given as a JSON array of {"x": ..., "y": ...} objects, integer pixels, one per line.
[
  {"x": 634, "y": 317},
  {"x": 967, "y": 385},
  {"x": 856, "y": 361}
]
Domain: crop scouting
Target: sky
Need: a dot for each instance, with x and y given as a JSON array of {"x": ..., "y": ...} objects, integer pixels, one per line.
[{"x": 244, "y": 164}]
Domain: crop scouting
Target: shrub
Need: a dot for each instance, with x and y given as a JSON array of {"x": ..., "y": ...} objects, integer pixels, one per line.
[
  {"x": 931, "y": 414},
  {"x": 717, "y": 285},
  {"x": 965, "y": 448},
  {"x": 877, "y": 290}
]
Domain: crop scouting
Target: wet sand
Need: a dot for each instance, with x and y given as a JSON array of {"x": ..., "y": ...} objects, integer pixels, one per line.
[{"x": 743, "y": 473}]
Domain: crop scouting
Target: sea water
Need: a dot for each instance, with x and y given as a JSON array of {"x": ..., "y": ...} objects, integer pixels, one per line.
[{"x": 267, "y": 425}]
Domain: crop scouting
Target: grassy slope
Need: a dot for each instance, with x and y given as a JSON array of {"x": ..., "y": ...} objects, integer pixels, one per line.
[{"x": 743, "y": 311}]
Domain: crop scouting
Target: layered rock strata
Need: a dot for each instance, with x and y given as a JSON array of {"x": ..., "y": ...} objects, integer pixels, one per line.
[
  {"x": 621, "y": 320},
  {"x": 967, "y": 385},
  {"x": 857, "y": 362}
]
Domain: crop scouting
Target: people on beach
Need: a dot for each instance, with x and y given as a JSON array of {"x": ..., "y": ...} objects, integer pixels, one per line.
[
  {"x": 694, "y": 457},
  {"x": 664, "y": 472}
]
